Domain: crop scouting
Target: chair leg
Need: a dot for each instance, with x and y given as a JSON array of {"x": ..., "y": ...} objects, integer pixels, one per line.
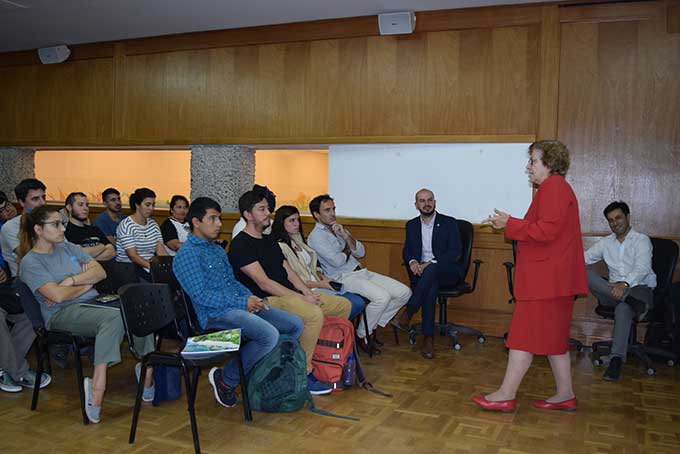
[
  {"x": 442, "y": 316},
  {"x": 191, "y": 395},
  {"x": 247, "y": 413},
  {"x": 395, "y": 331},
  {"x": 80, "y": 380},
  {"x": 40, "y": 345},
  {"x": 138, "y": 402},
  {"x": 369, "y": 338}
]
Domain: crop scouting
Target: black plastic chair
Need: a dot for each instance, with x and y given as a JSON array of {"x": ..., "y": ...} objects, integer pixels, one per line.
[
  {"x": 146, "y": 308},
  {"x": 463, "y": 288},
  {"x": 46, "y": 337},
  {"x": 664, "y": 260},
  {"x": 509, "y": 271}
]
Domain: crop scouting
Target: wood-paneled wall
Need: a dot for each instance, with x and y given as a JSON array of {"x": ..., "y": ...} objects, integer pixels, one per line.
[{"x": 603, "y": 78}]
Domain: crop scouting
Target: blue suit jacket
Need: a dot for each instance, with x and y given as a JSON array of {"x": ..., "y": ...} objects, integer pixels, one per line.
[{"x": 446, "y": 245}]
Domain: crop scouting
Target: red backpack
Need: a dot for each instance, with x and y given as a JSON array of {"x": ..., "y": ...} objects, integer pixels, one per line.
[{"x": 335, "y": 345}]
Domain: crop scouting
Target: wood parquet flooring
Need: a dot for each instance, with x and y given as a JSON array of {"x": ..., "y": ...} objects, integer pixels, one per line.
[{"x": 430, "y": 412}]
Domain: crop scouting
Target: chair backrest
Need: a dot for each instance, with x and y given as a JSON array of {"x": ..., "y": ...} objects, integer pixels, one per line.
[
  {"x": 29, "y": 303},
  {"x": 466, "y": 236},
  {"x": 146, "y": 308},
  {"x": 117, "y": 275},
  {"x": 161, "y": 271},
  {"x": 664, "y": 260},
  {"x": 192, "y": 319}
]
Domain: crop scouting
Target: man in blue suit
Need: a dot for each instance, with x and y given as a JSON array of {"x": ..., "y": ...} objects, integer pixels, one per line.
[{"x": 431, "y": 251}]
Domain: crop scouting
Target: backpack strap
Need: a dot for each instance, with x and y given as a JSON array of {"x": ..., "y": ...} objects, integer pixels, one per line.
[
  {"x": 319, "y": 411},
  {"x": 361, "y": 378}
]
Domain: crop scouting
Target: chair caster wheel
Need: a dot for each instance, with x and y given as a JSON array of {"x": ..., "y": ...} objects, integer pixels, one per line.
[
  {"x": 651, "y": 371},
  {"x": 457, "y": 346},
  {"x": 481, "y": 339},
  {"x": 598, "y": 362},
  {"x": 670, "y": 363}
]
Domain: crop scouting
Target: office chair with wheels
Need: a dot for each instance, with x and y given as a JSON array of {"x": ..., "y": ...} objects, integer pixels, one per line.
[
  {"x": 664, "y": 260},
  {"x": 463, "y": 288}
]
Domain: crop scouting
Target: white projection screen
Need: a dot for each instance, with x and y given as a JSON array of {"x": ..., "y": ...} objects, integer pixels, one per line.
[{"x": 469, "y": 180}]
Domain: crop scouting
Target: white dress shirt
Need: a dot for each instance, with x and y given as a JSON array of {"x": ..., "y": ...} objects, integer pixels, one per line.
[
  {"x": 629, "y": 261},
  {"x": 426, "y": 233}
]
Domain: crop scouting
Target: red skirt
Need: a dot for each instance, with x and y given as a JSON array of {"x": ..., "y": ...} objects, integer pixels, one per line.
[{"x": 541, "y": 327}]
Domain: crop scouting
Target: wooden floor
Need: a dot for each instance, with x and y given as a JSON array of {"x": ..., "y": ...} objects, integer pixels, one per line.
[{"x": 430, "y": 412}]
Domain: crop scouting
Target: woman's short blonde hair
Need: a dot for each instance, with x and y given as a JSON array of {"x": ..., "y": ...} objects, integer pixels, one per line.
[{"x": 555, "y": 155}]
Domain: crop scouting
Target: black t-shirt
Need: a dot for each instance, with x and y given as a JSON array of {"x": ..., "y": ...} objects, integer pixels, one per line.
[
  {"x": 85, "y": 236},
  {"x": 168, "y": 231},
  {"x": 244, "y": 250}
]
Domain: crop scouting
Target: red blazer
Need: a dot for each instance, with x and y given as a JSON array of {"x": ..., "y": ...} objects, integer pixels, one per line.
[{"x": 550, "y": 261}]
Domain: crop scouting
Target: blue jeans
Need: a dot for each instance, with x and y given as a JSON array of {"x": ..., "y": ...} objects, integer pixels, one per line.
[
  {"x": 357, "y": 301},
  {"x": 260, "y": 332}
]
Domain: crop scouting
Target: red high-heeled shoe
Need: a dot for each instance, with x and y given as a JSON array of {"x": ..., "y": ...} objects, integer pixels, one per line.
[
  {"x": 505, "y": 406},
  {"x": 566, "y": 405}
]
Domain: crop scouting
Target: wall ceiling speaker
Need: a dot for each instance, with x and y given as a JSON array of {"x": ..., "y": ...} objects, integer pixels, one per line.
[
  {"x": 397, "y": 23},
  {"x": 56, "y": 54}
]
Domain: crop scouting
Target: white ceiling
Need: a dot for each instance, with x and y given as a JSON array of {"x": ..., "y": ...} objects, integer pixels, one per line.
[{"x": 30, "y": 24}]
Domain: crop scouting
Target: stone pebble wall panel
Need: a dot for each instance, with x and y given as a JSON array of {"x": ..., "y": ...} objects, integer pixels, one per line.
[
  {"x": 222, "y": 172},
  {"x": 16, "y": 164}
]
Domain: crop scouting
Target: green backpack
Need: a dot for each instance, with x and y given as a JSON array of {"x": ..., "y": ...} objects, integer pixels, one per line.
[{"x": 278, "y": 382}]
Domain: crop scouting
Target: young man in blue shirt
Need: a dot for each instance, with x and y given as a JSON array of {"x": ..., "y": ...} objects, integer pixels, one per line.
[{"x": 221, "y": 302}]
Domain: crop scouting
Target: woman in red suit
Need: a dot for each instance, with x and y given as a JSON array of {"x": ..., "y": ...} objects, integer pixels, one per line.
[{"x": 550, "y": 272}]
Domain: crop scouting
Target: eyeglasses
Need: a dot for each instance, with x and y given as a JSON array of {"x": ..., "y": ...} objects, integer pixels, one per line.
[
  {"x": 55, "y": 223},
  {"x": 4, "y": 207},
  {"x": 533, "y": 161}
]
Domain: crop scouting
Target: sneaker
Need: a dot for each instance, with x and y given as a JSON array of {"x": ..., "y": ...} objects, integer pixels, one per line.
[
  {"x": 613, "y": 372},
  {"x": 28, "y": 380},
  {"x": 316, "y": 387},
  {"x": 8, "y": 385},
  {"x": 148, "y": 393},
  {"x": 224, "y": 394},
  {"x": 91, "y": 410}
]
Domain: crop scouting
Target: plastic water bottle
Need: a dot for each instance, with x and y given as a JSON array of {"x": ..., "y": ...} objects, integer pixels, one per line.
[{"x": 348, "y": 372}]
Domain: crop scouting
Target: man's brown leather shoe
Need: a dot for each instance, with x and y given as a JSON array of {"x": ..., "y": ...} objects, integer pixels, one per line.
[
  {"x": 403, "y": 321},
  {"x": 427, "y": 350}
]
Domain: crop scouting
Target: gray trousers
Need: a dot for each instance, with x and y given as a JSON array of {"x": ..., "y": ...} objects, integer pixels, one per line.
[
  {"x": 623, "y": 312},
  {"x": 15, "y": 343}
]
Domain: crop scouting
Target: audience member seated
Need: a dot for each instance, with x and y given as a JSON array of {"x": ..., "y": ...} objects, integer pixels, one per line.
[
  {"x": 431, "y": 251},
  {"x": 175, "y": 229},
  {"x": 61, "y": 276},
  {"x": 287, "y": 231},
  {"x": 89, "y": 237},
  {"x": 203, "y": 270},
  {"x": 338, "y": 252},
  {"x": 30, "y": 194},
  {"x": 259, "y": 264},
  {"x": 271, "y": 202},
  {"x": 7, "y": 212},
  {"x": 107, "y": 221},
  {"x": 138, "y": 236},
  {"x": 15, "y": 342},
  {"x": 628, "y": 256}
]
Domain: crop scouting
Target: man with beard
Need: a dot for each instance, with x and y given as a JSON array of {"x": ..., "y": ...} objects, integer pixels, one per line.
[
  {"x": 338, "y": 251},
  {"x": 260, "y": 265},
  {"x": 108, "y": 220},
  {"x": 431, "y": 251},
  {"x": 90, "y": 238},
  {"x": 628, "y": 256}
]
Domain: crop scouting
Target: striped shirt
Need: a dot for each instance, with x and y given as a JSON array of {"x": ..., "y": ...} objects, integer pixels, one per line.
[{"x": 129, "y": 234}]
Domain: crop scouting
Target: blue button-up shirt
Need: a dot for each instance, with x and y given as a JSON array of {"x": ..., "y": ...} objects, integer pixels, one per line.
[
  {"x": 329, "y": 247},
  {"x": 203, "y": 270}
]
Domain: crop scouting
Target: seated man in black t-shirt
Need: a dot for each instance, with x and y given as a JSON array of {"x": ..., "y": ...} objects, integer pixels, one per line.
[
  {"x": 259, "y": 264},
  {"x": 90, "y": 238}
]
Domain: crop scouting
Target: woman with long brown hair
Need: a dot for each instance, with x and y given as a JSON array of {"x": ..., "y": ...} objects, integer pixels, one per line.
[{"x": 62, "y": 277}]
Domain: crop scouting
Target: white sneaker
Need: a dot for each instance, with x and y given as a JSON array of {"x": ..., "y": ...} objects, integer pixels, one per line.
[
  {"x": 148, "y": 393},
  {"x": 91, "y": 409}
]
